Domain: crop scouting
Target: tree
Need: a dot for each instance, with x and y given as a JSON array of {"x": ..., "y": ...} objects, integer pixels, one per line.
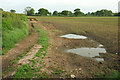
[
  {"x": 55, "y": 13},
  {"x": 49, "y": 14},
  {"x": 93, "y": 14},
  {"x": 65, "y": 12},
  {"x": 29, "y": 11},
  {"x": 70, "y": 13},
  {"x": 1, "y": 9},
  {"x": 117, "y": 14},
  {"x": 88, "y": 14},
  {"x": 103, "y": 12},
  {"x": 59, "y": 14},
  {"x": 43, "y": 12},
  {"x": 77, "y": 12},
  {"x": 13, "y": 11}
]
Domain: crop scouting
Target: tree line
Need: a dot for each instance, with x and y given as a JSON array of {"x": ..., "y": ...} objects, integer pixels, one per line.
[{"x": 77, "y": 12}]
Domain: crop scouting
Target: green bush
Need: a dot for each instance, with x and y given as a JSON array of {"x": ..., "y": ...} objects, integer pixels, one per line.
[{"x": 14, "y": 27}]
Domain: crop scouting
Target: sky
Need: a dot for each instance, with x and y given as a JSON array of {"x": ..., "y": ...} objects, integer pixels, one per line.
[{"x": 60, "y": 5}]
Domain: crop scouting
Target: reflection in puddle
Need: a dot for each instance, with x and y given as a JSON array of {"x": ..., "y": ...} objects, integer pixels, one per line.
[
  {"x": 88, "y": 52},
  {"x": 74, "y": 36}
]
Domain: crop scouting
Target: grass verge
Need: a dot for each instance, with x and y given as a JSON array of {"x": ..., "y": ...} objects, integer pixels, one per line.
[{"x": 14, "y": 27}]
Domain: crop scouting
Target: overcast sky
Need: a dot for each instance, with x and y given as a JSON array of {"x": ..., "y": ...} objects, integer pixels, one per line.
[{"x": 59, "y": 5}]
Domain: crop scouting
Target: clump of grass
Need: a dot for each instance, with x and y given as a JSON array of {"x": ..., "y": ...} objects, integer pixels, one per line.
[
  {"x": 114, "y": 74},
  {"x": 14, "y": 27},
  {"x": 24, "y": 71},
  {"x": 57, "y": 71}
]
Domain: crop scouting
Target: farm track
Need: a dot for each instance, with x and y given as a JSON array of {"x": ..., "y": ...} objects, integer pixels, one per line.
[{"x": 72, "y": 64}]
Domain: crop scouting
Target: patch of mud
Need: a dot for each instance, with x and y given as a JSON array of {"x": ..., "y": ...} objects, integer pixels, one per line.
[
  {"x": 88, "y": 52},
  {"x": 74, "y": 36}
]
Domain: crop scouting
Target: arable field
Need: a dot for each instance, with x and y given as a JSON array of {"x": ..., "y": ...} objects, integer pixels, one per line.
[
  {"x": 43, "y": 53},
  {"x": 102, "y": 29}
]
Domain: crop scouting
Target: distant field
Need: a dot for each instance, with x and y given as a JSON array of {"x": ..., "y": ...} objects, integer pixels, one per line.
[{"x": 101, "y": 29}]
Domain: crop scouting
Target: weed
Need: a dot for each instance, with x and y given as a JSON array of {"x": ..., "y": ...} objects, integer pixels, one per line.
[
  {"x": 14, "y": 27},
  {"x": 24, "y": 71},
  {"x": 113, "y": 75},
  {"x": 55, "y": 31},
  {"x": 57, "y": 71},
  {"x": 18, "y": 58},
  {"x": 68, "y": 75}
]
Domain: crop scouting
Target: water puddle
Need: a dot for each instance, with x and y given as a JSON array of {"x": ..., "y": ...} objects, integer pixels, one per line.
[
  {"x": 88, "y": 52},
  {"x": 99, "y": 59},
  {"x": 74, "y": 36},
  {"x": 100, "y": 45}
]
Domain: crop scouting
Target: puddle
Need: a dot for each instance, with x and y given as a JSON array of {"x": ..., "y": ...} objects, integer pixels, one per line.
[
  {"x": 99, "y": 59},
  {"x": 88, "y": 52},
  {"x": 74, "y": 36},
  {"x": 100, "y": 45}
]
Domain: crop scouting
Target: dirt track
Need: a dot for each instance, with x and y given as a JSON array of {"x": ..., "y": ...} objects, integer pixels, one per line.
[{"x": 71, "y": 64}]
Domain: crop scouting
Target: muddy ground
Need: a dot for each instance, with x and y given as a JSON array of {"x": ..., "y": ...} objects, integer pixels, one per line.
[
  {"x": 81, "y": 67},
  {"x": 70, "y": 64}
]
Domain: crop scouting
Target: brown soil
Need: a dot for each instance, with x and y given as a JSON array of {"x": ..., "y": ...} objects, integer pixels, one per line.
[{"x": 71, "y": 64}]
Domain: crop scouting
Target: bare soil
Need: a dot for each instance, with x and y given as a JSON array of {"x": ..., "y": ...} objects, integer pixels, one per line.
[{"x": 73, "y": 64}]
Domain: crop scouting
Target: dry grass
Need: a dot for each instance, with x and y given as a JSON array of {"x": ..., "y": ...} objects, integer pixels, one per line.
[{"x": 102, "y": 29}]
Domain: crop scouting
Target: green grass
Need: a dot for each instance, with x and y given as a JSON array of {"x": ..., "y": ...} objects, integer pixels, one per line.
[
  {"x": 57, "y": 71},
  {"x": 114, "y": 75},
  {"x": 24, "y": 71},
  {"x": 43, "y": 40},
  {"x": 14, "y": 27},
  {"x": 29, "y": 71}
]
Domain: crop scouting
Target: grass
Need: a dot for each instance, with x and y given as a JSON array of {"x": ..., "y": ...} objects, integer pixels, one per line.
[
  {"x": 24, "y": 71},
  {"x": 43, "y": 40},
  {"x": 57, "y": 71},
  {"x": 115, "y": 75},
  {"x": 102, "y": 29},
  {"x": 14, "y": 27},
  {"x": 30, "y": 71}
]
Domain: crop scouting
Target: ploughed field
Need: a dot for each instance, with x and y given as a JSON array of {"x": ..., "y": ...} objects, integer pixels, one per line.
[{"x": 101, "y": 29}]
